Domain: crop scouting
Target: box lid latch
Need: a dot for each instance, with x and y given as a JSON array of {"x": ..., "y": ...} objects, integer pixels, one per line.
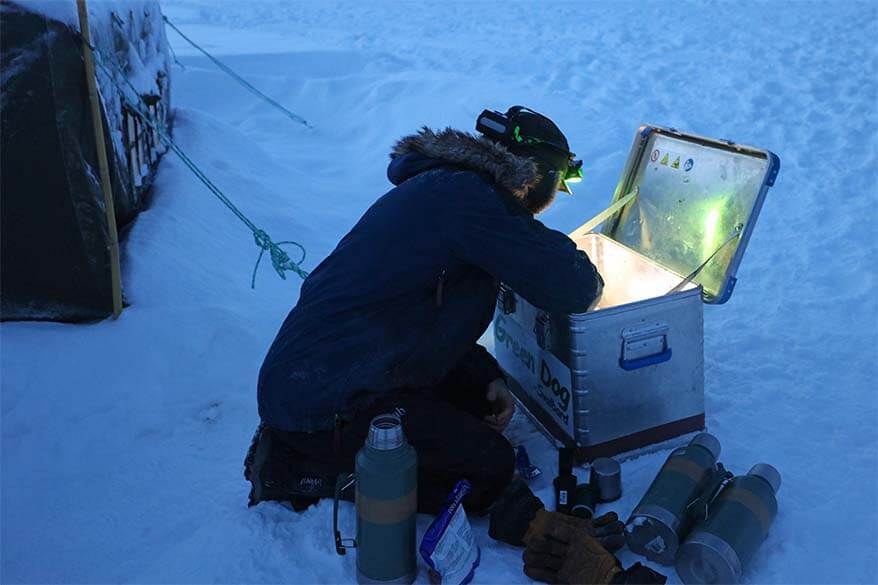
[
  {"x": 506, "y": 299},
  {"x": 543, "y": 330}
]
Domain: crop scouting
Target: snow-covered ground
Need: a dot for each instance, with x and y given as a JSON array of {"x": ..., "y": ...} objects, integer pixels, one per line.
[{"x": 122, "y": 441}]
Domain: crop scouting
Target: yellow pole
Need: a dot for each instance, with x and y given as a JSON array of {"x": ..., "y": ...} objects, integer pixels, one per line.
[{"x": 106, "y": 186}]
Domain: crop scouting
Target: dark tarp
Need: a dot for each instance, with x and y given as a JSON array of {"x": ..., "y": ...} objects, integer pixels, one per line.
[{"x": 54, "y": 255}]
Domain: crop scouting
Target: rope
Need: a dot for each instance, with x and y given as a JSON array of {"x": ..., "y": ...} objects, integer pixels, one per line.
[
  {"x": 280, "y": 260},
  {"x": 228, "y": 70},
  {"x": 174, "y": 55}
]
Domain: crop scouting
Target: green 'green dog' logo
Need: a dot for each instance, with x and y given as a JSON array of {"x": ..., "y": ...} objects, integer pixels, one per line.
[{"x": 550, "y": 381}]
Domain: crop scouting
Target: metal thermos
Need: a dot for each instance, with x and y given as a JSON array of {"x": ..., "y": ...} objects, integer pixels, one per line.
[
  {"x": 662, "y": 518},
  {"x": 386, "y": 500},
  {"x": 719, "y": 547}
]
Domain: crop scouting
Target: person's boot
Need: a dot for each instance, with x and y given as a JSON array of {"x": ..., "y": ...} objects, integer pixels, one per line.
[
  {"x": 277, "y": 473},
  {"x": 251, "y": 451}
]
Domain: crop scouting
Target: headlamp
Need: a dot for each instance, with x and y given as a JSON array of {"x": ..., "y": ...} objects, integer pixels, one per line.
[
  {"x": 505, "y": 129},
  {"x": 572, "y": 175}
]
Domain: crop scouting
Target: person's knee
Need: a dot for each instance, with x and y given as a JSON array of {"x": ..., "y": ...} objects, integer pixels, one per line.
[{"x": 496, "y": 466}]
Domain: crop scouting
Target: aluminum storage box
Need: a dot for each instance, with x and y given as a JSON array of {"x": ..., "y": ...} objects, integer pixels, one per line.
[{"x": 630, "y": 372}]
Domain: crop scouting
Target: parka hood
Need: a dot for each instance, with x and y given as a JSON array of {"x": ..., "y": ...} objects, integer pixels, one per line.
[{"x": 427, "y": 149}]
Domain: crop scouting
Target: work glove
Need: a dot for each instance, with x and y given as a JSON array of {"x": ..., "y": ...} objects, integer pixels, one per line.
[
  {"x": 607, "y": 529},
  {"x": 568, "y": 555},
  {"x": 518, "y": 515}
]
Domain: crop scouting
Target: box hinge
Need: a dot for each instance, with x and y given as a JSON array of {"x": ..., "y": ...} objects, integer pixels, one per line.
[
  {"x": 506, "y": 299},
  {"x": 543, "y": 330}
]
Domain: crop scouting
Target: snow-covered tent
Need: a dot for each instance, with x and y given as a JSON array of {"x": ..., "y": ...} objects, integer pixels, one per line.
[{"x": 54, "y": 254}]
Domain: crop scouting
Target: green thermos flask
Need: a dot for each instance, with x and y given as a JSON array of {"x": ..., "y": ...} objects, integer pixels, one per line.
[
  {"x": 720, "y": 546},
  {"x": 665, "y": 513},
  {"x": 386, "y": 479}
]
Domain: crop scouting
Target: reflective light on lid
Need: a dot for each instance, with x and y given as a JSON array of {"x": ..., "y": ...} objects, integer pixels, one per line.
[{"x": 385, "y": 433}]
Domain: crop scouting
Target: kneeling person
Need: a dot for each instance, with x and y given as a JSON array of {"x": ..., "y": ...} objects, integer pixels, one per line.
[{"x": 390, "y": 319}]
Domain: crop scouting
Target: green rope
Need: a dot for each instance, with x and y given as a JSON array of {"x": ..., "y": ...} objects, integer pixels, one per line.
[
  {"x": 174, "y": 55},
  {"x": 279, "y": 258},
  {"x": 228, "y": 70}
]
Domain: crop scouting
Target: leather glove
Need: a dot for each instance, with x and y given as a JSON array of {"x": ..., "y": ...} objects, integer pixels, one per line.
[
  {"x": 567, "y": 555},
  {"x": 608, "y": 530},
  {"x": 519, "y": 515}
]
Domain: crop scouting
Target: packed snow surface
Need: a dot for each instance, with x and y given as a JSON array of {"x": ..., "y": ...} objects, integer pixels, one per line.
[{"x": 122, "y": 441}]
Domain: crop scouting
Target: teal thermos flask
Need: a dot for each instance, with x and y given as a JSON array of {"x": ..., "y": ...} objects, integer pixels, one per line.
[
  {"x": 720, "y": 546},
  {"x": 386, "y": 496},
  {"x": 664, "y": 514}
]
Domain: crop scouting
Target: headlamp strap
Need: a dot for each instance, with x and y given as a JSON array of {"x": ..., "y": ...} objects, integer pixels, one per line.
[{"x": 503, "y": 128}]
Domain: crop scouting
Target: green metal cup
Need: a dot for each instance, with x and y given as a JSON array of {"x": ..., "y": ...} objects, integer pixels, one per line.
[
  {"x": 663, "y": 517},
  {"x": 386, "y": 500},
  {"x": 719, "y": 547}
]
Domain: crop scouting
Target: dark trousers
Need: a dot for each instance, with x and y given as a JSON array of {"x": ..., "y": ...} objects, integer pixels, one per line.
[{"x": 444, "y": 425}]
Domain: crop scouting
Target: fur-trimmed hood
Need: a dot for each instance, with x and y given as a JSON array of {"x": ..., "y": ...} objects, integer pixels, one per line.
[{"x": 516, "y": 174}]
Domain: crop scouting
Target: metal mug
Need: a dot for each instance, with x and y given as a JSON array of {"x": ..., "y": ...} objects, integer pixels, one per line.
[{"x": 606, "y": 478}]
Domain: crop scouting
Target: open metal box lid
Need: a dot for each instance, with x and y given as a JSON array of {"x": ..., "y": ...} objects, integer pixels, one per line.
[{"x": 696, "y": 204}]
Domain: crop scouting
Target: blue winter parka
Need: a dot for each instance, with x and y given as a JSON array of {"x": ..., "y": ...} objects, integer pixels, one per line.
[{"x": 409, "y": 290}]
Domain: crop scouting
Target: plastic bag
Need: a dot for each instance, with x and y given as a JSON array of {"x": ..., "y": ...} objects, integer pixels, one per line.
[{"x": 448, "y": 546}]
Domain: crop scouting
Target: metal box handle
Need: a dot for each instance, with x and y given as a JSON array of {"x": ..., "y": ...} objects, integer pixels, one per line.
[
  {"x": 644, "y": 345},
  {"x": 343, "y": 482}
]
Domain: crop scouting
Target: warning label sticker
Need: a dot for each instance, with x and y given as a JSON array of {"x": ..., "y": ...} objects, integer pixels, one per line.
[{"x": 670, "y": 159}]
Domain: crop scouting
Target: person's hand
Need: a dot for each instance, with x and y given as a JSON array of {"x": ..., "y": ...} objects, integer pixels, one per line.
[{"x": 502, "y": 404}]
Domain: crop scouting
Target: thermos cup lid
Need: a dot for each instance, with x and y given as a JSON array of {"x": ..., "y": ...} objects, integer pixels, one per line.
[
  {"x": 385, "y": 432},
  {"x": 584, "y": 499},
  {"x": 768, "y": 473},
  {"x": 709, "y": 442},
  {"x": 606, "y": 478}
]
